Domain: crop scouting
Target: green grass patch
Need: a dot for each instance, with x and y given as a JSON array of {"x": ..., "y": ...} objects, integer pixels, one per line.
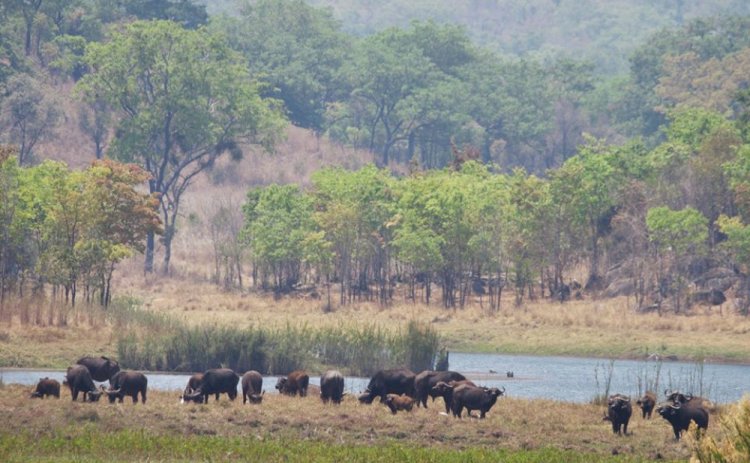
[{"x": 132, "y": 445}]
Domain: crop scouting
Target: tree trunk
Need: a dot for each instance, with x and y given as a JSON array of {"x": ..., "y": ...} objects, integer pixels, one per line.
[{"x": 148, "y": 266}]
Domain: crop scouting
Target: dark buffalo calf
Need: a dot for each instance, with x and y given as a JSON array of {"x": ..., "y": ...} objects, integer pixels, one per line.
[
  {"x": 399, "y": 402},
  {"x": 101, "y": 368},
  {"x": 127, "y": 383},
  {"x": 474, "y": 398},
  {"x": 445, "y": 390},
  {"x": 426, "y": 381},
  {"x": 619, "y": 411},
  {"x": 78, "y": 379},
  {"x": 295, "y": 383},
  {"x": 252, "y": 387},
  {"x": 680, "y": 416},
  {"x": 46, "y": 387},
  {"x": 332, "y": 386},
  {"x": 647, "y": 404}
]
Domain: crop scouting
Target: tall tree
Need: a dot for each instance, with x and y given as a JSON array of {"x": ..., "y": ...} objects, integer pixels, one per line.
[
  {"x": 29, "y": 115},
  {"x": 183, "y": 100},
  {"x": 296, "y": 49}
]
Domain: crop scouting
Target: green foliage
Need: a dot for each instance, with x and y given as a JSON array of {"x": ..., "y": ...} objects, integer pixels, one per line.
[
  {"x": 738, "y": 238},
  {"x": 679, "y": 232},
  {"x": 278, "y": 220},
  {"x": 183, "y": 99},
  {"x": 296, "y": 50},
  {"x": 358, "y": 350},
  {"x": 71, "y": 228}
]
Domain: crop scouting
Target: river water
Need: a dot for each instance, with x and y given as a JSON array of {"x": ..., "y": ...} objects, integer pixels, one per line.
[{"x": 570, "y": 379}]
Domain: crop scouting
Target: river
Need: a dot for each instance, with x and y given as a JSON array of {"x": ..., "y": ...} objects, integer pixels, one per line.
[{"x": 570, "y": 379}]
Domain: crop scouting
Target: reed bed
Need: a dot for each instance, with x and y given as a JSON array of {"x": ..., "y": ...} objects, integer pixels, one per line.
[{"x": 357, "y": 350}]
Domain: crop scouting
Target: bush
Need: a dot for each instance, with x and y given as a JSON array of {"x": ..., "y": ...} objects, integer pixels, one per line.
[{"x": 733, "y": 445}]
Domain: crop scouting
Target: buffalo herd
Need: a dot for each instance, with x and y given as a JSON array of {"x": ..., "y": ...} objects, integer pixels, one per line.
[{"x": 398, "y": 389}]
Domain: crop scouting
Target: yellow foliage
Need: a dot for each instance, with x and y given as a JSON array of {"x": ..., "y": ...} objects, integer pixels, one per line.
[{"x": 732, "y": 444}]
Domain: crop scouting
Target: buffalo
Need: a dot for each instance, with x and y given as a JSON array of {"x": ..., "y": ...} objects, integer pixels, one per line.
[
  {"x": 474, "y": 398},
  {"x": 127, "y": 383},
  {"x": 397, "y": 381},
  {"x": 619, "y": 411},
  {"x": 680, "y": 415},
  {"x": 46, "y": 387},
  {"x": 193, "y": 384},
  {"x": 78, "y": 379},
  {"x": 399, "y": 402},
  {"x": 332, "y": 386},
  {"x": 682, "y": 399},
  {"x": 445, "y": 390},
  {"x": 101, "y": 368},
  {"x": 215, "y": 381},
  {"x": 252, "y": 385},
  {"x": 425, "y": 381},
  {"x": 294, "y": 383},
  {"x": 647, "y": 404}
]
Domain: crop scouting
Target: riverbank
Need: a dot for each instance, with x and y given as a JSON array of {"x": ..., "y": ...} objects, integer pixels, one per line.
[
  {"x": 296, "y": 429},
  {"x": 603, "y": 328}
]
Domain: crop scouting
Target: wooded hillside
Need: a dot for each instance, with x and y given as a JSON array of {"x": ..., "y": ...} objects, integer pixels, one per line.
[{"x": 510, "y": 154}]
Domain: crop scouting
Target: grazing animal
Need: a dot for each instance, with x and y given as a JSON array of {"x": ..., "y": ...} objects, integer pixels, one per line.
[
  {"x": 384, "y": 382},
  {"x": 445, "y": 390},
  {"x": 215, "y": 381},
  {"x": 127, "y": 383},
  {"x": 78, "y": 379},
  {"x": 680, "y": 415},
  {"x": 647, "y": 404},
  {"x": 619, "y": 411},
  {"x": 294, "y": 383},
  {"x": 399, "y": 402},
  {"x": 193, "y": 384},
  {"x": 474, "y": 398},
  {"x": 252, "y": 385},
  {"x": 101, "y": 368},
  {"x": 425, "y": 381},
  {"x": 46, "y": 387},
  {"x": 332, "y": 386}
]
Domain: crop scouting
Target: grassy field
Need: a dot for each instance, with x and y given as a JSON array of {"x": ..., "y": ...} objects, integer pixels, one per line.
[{"x": 295, "y": 429}]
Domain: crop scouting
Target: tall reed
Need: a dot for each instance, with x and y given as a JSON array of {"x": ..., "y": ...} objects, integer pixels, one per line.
[{"x": 356, "y": 350}]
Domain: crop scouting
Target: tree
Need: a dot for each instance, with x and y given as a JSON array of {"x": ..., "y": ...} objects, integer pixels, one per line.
[
  {"x": 183, "y": 100},
  {"x": 29, "y": 115},
  {"x": 277, "y": 221},
  {"x": 584, "y": 188},
  {"x": 406, "y": 90},
  {"x": 296, "y": 49},
  {"x": 187, "y": 13},
  {"x": 94, "y": 120},
  {"x": 676, "y": 236},
  {"x": 353, "y": 210},
  {"x": 511, "y": 101}
]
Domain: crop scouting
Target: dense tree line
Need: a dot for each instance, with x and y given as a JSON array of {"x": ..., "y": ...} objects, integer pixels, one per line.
[
  {"x": 67, "y": 230},
  {"x": 657, "y": 215},
  {"x": 165, "y": 86}
]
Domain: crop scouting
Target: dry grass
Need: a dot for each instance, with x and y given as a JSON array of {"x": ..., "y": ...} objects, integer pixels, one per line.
[
  {"x": 513, "y": 424},
  {"x": 607, "y": 328}
]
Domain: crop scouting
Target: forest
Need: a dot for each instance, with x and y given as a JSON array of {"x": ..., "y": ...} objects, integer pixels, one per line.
[{"x": 494, "y": 168}]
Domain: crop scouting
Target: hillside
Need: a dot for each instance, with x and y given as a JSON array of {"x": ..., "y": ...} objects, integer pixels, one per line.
[{"x": 604, "y": 32}]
